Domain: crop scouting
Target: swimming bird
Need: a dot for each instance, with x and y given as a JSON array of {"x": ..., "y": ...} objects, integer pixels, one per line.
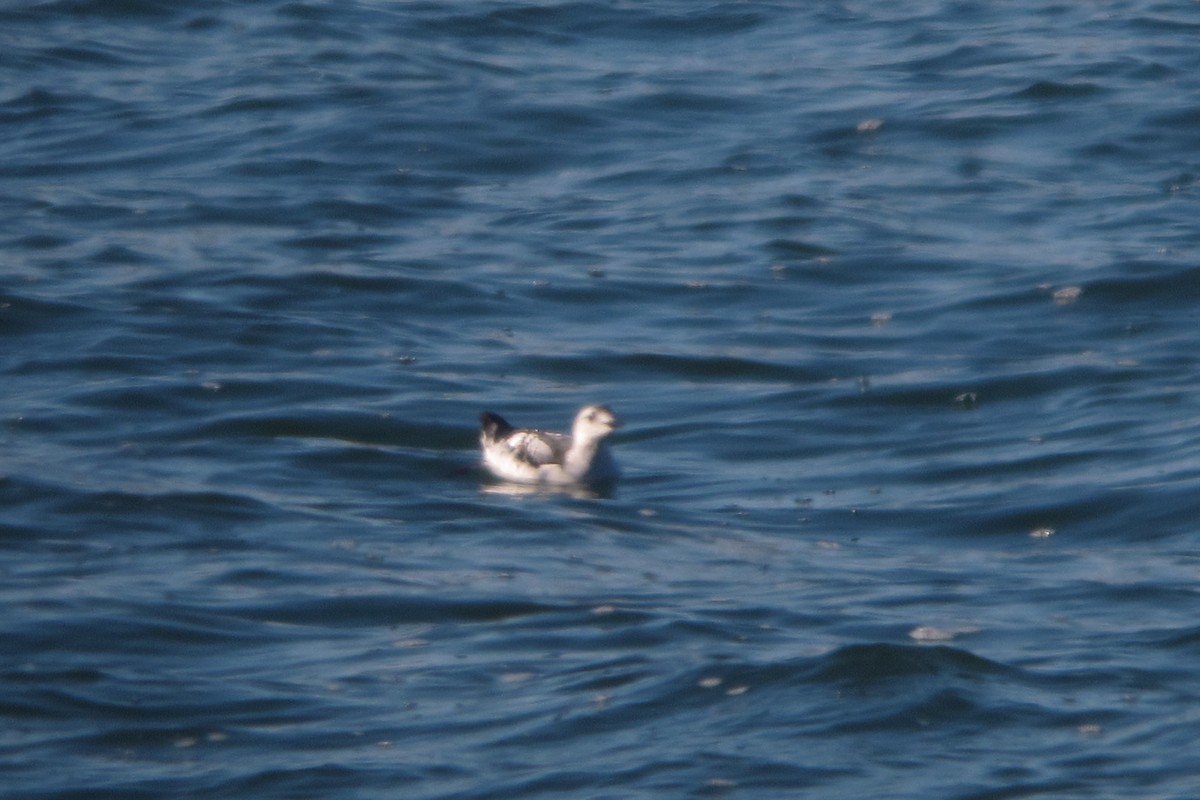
[{"x": 522, "y": 455}]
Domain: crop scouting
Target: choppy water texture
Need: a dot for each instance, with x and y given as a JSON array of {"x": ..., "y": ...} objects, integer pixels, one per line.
[{"x": 899, "y": 302}]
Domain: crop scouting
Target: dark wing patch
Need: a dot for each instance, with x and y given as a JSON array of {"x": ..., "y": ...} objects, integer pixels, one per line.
[{"x": 537, "y": 447}]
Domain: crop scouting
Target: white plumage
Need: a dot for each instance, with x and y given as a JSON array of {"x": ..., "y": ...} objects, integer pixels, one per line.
[{"x": 542, "y": 457}]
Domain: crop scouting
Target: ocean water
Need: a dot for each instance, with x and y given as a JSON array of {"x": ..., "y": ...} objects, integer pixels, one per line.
[{"x": 898, "y": 301}]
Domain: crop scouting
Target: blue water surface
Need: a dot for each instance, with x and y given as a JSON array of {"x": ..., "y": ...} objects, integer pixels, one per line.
[{"x": 898, "y": 301}]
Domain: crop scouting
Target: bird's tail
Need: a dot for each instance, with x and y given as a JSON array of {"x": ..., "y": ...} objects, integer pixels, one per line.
[{"x": 494, "y": 426}]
